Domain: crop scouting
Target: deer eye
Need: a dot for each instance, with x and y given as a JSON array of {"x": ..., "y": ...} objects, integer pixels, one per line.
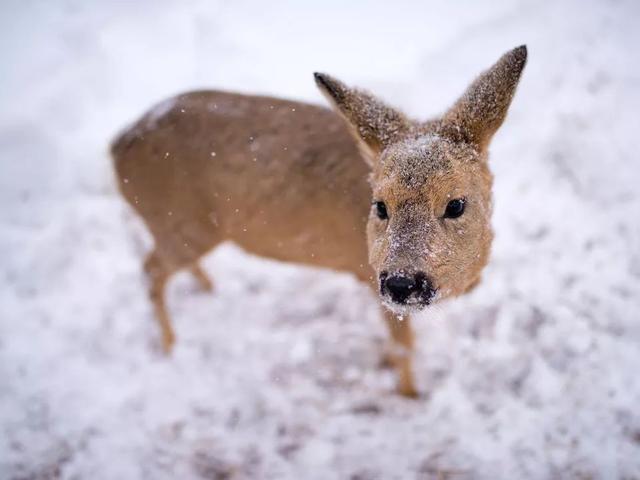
[
  {"x": 381, "y": 210},
  {"x": 455, "y": 208}
]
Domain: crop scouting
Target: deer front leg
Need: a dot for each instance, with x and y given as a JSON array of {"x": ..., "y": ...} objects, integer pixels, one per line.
[{"x": 401, "y": 353}]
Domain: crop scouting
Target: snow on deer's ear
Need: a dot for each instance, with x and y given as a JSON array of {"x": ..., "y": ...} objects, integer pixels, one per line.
[
  {"x": 372, "y": 122},
  {"x": 482, "y": 108}
]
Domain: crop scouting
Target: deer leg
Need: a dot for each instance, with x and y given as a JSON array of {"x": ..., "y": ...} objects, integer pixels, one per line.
[
  {"x": 402, "y": 352},
  {"x": 158, "y": 275},
  {"x": 202, "y": 277}
]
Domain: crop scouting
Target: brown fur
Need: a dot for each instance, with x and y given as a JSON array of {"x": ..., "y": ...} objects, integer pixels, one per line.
[{"x": 285, "y": 180}]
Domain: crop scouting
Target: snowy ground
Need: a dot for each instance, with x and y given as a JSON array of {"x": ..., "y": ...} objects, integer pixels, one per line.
[{"x": 276, "y": 375}]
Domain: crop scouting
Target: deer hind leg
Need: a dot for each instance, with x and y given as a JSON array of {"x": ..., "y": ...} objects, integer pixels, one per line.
[
  {"x": 401, "y": 354},
  {"x": 158, "y": 274},
  {"x": 201, "y": 276},
  {"x": 175, "y": 250}
]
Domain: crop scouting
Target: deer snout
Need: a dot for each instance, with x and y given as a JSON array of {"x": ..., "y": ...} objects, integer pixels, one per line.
[{"x": 404, "y": 288}]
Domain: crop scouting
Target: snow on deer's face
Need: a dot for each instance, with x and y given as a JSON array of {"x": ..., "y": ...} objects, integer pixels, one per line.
[
  {"x": 429, "y": 228},
  {"x": 429, "y": 232}
]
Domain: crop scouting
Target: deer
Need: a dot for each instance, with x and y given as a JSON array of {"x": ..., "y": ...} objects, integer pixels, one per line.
[{"x": 402, "y": 204}]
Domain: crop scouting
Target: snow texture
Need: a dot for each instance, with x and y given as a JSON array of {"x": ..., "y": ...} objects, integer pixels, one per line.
[{"x": 276, "y": 375}]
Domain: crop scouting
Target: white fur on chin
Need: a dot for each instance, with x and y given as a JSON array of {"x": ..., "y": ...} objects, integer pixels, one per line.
[{"x": 408, "y": 308}]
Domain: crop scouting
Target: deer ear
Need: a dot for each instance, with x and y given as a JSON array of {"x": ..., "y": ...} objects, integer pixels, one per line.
[
  {"x": 481, "y": 110},
  {"x": 372, "y": 122}
]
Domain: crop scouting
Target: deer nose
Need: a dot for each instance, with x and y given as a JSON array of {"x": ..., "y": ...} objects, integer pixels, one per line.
[{"x": 401, "y": 286}]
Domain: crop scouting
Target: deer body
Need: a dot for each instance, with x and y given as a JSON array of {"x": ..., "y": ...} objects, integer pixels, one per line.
[
  {"x": 296, "y": 182},
  {"x": 281, "y": 179}
]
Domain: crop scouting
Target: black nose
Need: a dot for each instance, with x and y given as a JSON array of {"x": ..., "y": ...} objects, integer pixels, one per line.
[{"x": 400, "y": 286}]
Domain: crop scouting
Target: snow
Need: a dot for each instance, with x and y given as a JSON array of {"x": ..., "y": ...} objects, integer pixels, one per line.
[{"x": 276, "y": 374}]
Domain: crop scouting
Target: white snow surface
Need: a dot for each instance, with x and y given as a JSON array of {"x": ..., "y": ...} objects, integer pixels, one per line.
[{"x": 276, "y": 375}]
